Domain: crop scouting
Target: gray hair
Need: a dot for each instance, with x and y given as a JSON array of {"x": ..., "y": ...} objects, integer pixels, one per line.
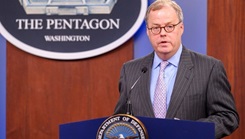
[{"x": 158, "y": 4}]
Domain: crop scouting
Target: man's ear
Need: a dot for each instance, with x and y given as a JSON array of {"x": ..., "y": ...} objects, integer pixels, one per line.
[{"x": 147, "y": 31}]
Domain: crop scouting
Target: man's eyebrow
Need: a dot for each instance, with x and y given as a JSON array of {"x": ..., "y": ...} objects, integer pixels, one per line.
[{"x": 156, "y": 24}]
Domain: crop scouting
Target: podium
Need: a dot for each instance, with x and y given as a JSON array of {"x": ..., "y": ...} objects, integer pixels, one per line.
[{"x": 156, "y": 129}]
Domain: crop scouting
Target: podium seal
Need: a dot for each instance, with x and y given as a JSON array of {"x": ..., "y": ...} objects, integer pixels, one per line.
[{"x": 122, "y": 126}]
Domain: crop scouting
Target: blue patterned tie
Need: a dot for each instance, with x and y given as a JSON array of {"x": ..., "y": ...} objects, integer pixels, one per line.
[{"x": 160, "y": 96}]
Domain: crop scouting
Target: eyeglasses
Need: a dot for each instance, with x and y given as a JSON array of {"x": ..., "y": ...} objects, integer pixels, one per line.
[{"x": 168, "y": 28}]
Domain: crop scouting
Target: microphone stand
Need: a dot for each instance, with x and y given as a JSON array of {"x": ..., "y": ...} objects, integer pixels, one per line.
[{"x": 129, "y": 105}]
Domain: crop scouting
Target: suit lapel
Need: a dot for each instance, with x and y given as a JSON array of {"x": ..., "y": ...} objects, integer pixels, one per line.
[
  {"x": 146, "y": 82},
  {"x": 182, "y": 83}
]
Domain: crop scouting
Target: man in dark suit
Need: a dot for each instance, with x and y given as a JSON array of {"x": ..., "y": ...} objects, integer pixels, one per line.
[{"x": 197, "y": 85}]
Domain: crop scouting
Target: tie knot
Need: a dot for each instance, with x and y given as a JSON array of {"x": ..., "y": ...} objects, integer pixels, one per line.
[{"x": 164, "y": 64}]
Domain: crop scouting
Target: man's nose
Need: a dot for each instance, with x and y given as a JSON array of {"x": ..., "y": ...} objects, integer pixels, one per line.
[{"x": 163, "y": 32}]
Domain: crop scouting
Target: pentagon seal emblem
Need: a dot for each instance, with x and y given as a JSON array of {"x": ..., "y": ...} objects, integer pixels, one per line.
[
  {"x": 122, "y": 126},
  {"x": 70, "y": 29}
]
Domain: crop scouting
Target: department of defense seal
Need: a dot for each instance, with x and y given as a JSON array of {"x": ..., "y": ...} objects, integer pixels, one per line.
[{"x": 122, "y": 126}]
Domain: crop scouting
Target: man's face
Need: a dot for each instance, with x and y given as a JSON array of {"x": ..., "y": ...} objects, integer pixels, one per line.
[{"x": 165, "y": 44}]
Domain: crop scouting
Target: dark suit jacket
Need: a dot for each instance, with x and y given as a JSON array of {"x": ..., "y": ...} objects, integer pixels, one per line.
[{"x": 201, "y": 91}]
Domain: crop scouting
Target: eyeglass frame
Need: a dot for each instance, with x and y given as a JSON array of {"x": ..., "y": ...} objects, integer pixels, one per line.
[{"x": 160, "y": 28}]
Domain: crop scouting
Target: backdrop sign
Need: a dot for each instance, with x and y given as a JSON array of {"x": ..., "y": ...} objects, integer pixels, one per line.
[{"x": 74, "y": 29}]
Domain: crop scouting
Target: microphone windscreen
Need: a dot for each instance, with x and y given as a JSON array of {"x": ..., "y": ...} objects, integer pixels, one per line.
[{"x": 144, "y": 70}]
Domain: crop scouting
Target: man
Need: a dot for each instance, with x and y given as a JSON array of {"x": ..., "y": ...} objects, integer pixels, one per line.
[{"x": 196, "y": 85}]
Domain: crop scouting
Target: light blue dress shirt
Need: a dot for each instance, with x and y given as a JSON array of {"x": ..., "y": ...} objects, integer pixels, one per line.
[{"x": 170, "y": 74}]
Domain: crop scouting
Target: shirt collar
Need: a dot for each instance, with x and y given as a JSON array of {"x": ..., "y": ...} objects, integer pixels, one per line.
[{"x": 174, "y": 60}]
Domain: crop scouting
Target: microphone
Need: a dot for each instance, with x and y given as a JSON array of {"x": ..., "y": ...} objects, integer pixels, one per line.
[{"x": 129, "y": 105}]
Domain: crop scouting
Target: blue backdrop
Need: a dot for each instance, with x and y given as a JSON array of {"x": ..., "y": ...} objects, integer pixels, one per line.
[
  {"x": 194, "y": 38},
  {"x": 2, "y": 87}
]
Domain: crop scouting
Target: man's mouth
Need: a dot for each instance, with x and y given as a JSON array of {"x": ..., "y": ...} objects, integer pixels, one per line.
[{"x": 163, "y": 42}]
